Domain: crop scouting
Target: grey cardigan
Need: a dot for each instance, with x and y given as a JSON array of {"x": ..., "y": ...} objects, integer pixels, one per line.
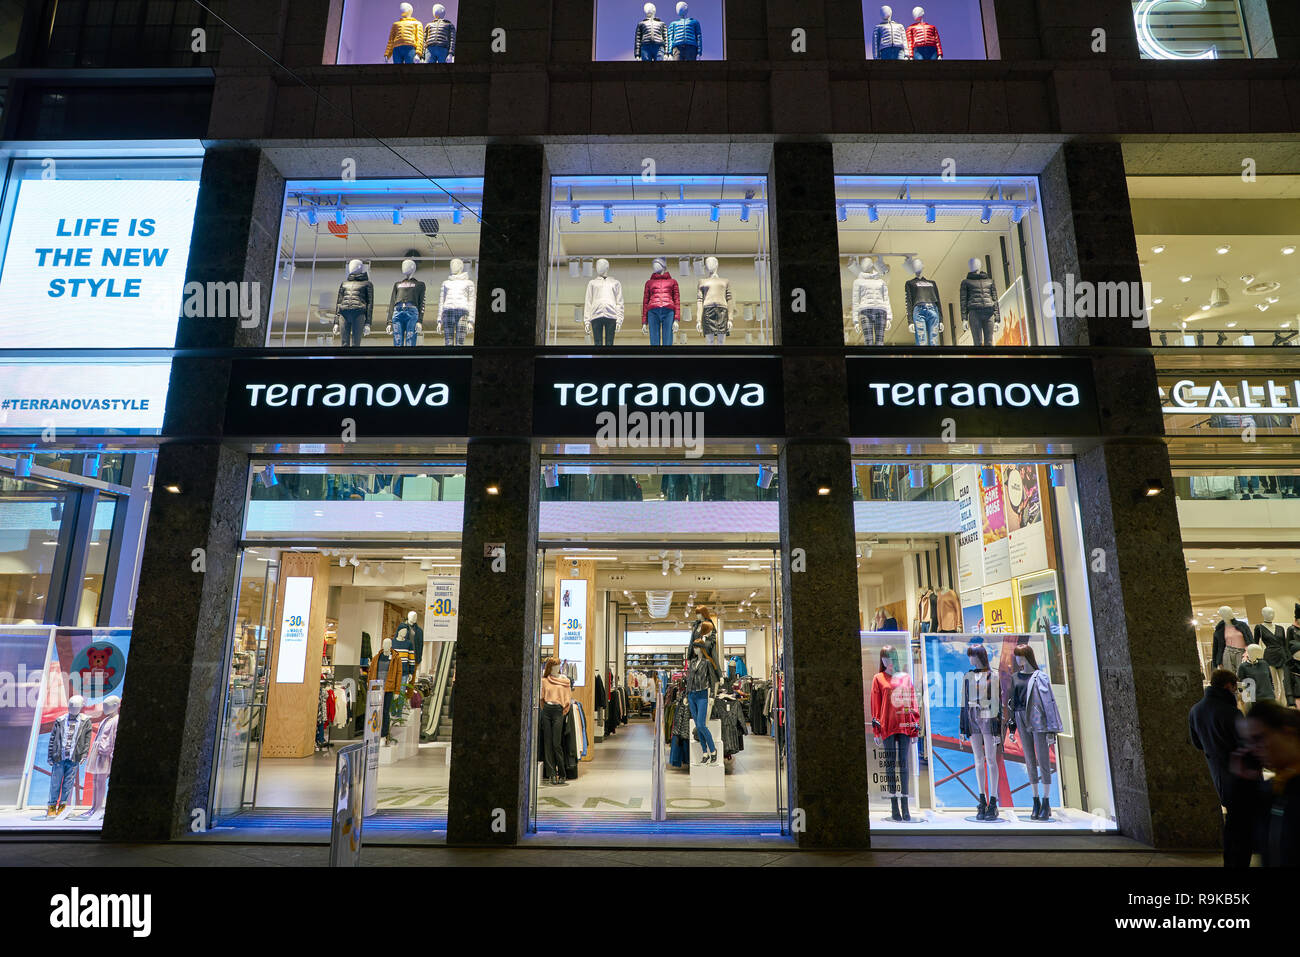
[{"x": 1041, "y": 713}]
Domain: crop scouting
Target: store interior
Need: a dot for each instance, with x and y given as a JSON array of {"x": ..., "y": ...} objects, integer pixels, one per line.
[
  {"x": 897, "y": 232},
  {"x": 1219, "y": 253},
  {"x": 391, "y": 226},
  {"x": 621, "y": 224}
]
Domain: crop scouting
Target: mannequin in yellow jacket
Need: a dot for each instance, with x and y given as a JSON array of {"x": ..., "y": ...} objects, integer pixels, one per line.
[{"x": 405, "y": 39}]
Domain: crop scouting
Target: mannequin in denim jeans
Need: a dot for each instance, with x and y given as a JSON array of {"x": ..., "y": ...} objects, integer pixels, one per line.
[
  {"x": 406, "y": 319},
  {"x": 700, "y": 676},
  {"x": 924, "y": 319}
]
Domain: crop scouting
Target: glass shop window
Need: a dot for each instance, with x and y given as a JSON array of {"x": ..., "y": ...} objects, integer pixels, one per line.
[
  {"x": 938, "y": 30},
  {"x": 656, "y": 32},
  {"x": 384, "y": 31}
]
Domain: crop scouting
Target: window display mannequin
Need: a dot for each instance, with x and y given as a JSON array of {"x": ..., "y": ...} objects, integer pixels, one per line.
[
  {"x": 1037, "y": 721},
  {"x": 949, "y": 605},
  {"x": 895, "y": 721},
  {"x": 685, "y": 39},
  {"x": 979, "y": 304},
  {"x": 1293, "y": 655},
  {"x": 872, "y": 313},
  {"x": 355, "y": 305},
  {"x": 661, "y": 306},
  {"x": 385, "y": 669},
  {"x": 408, "y": 644},
  {"x": 701, "y": 675},
  {"x": 1231, "y": 635},
  {"x": 439, "y": 38},
  {"x": 100, "y": 761},
  {"x": 980, "y": 723},
  {"x": 69, "y": 744},
  {"x": 405, "y": 38},
  {"x": 651, "y": 35},
  {"x": 456, "y": 306},
  {"x": 1255, "y": 670},
  {"x": 713, "y": 305},
  {"x": 557, "y": 700},
  {"x": 602, "y": 310},
  {"x": 922, "y": 38},
  {"x": 889, "y": 38},
  {"x": 927, "y": 610},
  {"x": 406, "y": 307},
  {"x": 924, "y": 315},
  {"x": 1273, "y": 638}
]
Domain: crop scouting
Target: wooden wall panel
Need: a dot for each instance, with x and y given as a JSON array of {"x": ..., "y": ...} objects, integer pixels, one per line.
[{"x": 291, "y": 708}]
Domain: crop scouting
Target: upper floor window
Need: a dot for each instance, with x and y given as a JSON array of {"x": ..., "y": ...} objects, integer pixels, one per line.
[
  {"x": 1191, "y": 29},
  {"x": 934, "y": 30},
  {"x": 382, "y": 31},
  {"x": 126, "y": 33},
  {"x": 668, "y": 30},
  {"x": 368, "y": 262}
]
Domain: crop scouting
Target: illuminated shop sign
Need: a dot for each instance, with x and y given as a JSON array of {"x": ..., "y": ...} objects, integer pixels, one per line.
[
  {"x": 96, "y": 263},
  {"x": 67, "y": 397},
  {"x": 982, "y": 397},
  {"x": 1189, "y": 29},
  {"x": 1187, "y": 396}
]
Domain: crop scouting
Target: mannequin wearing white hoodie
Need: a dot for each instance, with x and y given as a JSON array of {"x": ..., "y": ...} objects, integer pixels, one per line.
[
  {"x": 456, "y": 305},
  {"x": 872, "y": 313}
]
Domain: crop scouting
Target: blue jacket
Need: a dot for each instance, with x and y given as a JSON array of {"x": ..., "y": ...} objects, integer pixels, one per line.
[{"x": 686, "y": 31}]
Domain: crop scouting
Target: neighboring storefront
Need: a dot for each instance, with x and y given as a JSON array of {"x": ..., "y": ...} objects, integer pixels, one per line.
[{"x": 95, "y": 251}]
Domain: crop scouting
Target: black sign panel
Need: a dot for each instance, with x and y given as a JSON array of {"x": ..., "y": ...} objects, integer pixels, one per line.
[
  {"x": 599, "y": 397},
  {"x": 294, "y": 398},
  {"x": 1033, "y": 397}
]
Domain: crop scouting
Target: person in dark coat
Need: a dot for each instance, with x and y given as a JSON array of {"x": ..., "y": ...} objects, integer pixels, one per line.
[
  {"x": 1212, "y": 726},
  {"x": 1264, "y": 816}
]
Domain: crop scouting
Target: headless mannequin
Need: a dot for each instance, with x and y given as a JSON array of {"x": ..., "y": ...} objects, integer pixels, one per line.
[
  {"x": 603, "y": 308},
  {"x": 889, "y": 38},
  {"x": 924, "y": 315},
  {"x": 872, "y": 312},
  {"x": 405, "y": 38},
  {"x": 1231, "y": 635},
  {"x": 651, "y": 35},
  {"x": 100, "y": 762},
  {"x": 355, "y": 305},
  {"x": 713, "y": 305},
  {"x": 686, "y": 41},
  {"x": 1273, "y": 639},
  {"x": 923, "y": 38},
  {"x": 406, "y": 308},
  {"x": 1256, "y": 677},
  {"x": 456, "y": 306},
  {"x": 439, "y": 37}
]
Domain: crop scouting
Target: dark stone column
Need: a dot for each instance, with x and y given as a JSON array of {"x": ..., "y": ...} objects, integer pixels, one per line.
[
  {"x": 1146, "y": 649},
  {"x": 1284, "y": 24},
  {"x": 167, "y": 736},
  {"x": 1012, "y": 33},
  {"x": 527, "y": 28},
  {"x": 1066, "y": 29},
  {"x": 496, "y": 670},
  {"x": 822, "y": 653}
]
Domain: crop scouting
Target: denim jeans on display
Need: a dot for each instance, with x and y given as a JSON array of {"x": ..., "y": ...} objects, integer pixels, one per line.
[
  {"x": 686, "y": 51},
  {"x": 453, "y": 326},
  {"x": 63, "y": 783},
  {"x": 602, "y": 330},
  {"x": 436, "y": 54},
  {"x": 660, "y": 322},
  {"x": 925, "y": 53},
  {"x": 404, "y": 320},
  {"x": 404, "y": 54},
  {"x": 925, "y": 319},
  {"x": 699, "y": 701},
  {"x": 651, "y": 51},
  {"x": 981, "y": 325},
  {"x": 896, "y": 746},
  {"x": 352, "y": 323},
  {"x": 891, "y": 53}
]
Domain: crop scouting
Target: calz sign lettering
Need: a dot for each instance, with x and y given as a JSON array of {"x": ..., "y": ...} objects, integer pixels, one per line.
[
  {"x": 385, "y": 398},
  {"x": 1013, "y": 398}
]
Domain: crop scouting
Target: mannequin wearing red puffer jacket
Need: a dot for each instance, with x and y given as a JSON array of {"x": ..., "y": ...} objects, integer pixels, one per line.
[
  {"x": 661, "y": 306},
  {"x": 923, "y": 38}
]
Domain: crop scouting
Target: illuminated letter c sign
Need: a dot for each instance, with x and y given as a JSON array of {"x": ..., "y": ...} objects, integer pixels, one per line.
[{"x": 1151, "y": 47}]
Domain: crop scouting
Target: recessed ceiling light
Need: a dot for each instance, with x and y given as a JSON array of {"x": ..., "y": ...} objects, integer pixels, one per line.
[
  {"x": 1156, "y": 302},
  {"x": 1209, "y": 566},
  {"x": 1205, "y": 308},
  {"x": 1263, "y": 568},
  {"x": 1262, "y": 306},
  {"x": 1223, "y": 249},
  {"x": 1158, "y": 248},
  {"x": 1287, "y": 250},
  {"x": 1184, "y": 278},
  {"x": 1231, "y": 325}
]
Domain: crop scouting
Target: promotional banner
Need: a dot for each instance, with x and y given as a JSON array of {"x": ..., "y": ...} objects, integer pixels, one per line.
[
  {"x": 370, "y": 737},
  {"x": 1039, "y": 604},
  {"x": 970, "y": 542},
  {"x": 291, "y": 656},
  {"x": 572, "y": 645},
  {"x": 83, "y": 397},
  {"x": 349, "y": 806},
  {"x": 891, "y": 758},
  {"x": 999, "y": 609},
  {"x": 441, "y": 605},
  {"x": 997, "y": 553},
  {"x": 96, "y": 263},
  {"x": 1026, "y": 531}
]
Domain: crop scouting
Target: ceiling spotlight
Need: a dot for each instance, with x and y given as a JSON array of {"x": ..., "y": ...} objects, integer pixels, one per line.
[
  {"x": 1184, "y": 278},
  {"x": 660, "y": 213},
  {"x": 1262, "y": 306},
  {"x": 1219, "y": 298},
  {"x": 823, "y": 490},
  {"x": 744, "y": 212},
  {"x": 365, "y": 569},
  {"x": 873, "y": 214},
  {"x": 353, "y": 561},
  {"x": 713, "y": 213},
  {"x": 1156, "y": 302},
  {"x": 1263, "y": 568},
  {"x": 457, "y": 215},
  {"x": 1223, "y": 249},
  {"x": 397, "y": 217},
  {"x": 311, "y": 217},
  {"x": 551, "y": 476},
  {"x": 1017, "y": 214},
  {"x": 343, "y": 562},
  {"x": 1152, "y": 488},
  {"x": 493, "y": 489},
  {"x": 588, "y": 268},
  {"x": 267, "y": 476},
  {"x": 929, "y": 213},
  {"x": 986, "y": 214},
  {"x": 22, "y": 466},
  {"x": 174, "y": 489},
  {"x": 1158, "y": 248},
  {"x": 340, "y": 217},
  {"x": 575, "y": 268},
  {"x": 1288, "y": 250},
  {"x": 609, "y": 213},
  {"x": 575, "y": 215},
  {"x": 842, "y": 213}
]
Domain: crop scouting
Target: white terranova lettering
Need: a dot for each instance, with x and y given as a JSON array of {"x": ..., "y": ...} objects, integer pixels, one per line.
[
  {"x": 699, "y": 394},
  {"x": 1018, "y": 394},
  {"x": 387, "y": 394}
]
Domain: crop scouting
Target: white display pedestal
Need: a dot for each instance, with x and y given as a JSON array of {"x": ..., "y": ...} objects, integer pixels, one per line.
[
  {"x": 407, "y": 737},
  {"x": 708, "y": 775}
]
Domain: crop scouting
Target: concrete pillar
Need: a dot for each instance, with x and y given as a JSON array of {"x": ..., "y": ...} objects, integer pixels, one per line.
[
  {"x": 496, "y": 670},
  {"x": 167, "y": 735}
]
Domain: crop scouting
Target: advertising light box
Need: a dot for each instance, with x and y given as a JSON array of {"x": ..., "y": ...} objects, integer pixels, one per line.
[
  {"x": 96, "y": 263},
  {"x": 62, "y": 397}
]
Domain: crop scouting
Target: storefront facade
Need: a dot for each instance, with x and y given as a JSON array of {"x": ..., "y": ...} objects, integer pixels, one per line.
[{"x": 440, "y": 412}]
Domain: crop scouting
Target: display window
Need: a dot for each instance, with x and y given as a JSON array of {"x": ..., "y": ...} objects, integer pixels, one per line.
[
  {"x": 981, "y": 691},
  {"x": 929, "y": 261},
  {"x": 384, "y": 31},
  {"x": 659, "y": 616},
  {"x": 1191, "y": 29},
  {"x": 344, "y": 631},
  {"x": 671, "y": 30},
  {"x": 1219, "y": 258},
  {"x": 669, "y": 260},
  {"x": 377, "y": 263},
  {"x": 94, "y": 256},
  {"x": 939, "y": 30}
]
